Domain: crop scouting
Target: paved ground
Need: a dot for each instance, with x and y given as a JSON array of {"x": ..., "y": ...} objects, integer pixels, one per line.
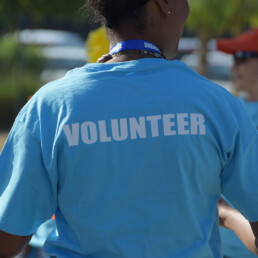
[{"x": 3, "y": 136}]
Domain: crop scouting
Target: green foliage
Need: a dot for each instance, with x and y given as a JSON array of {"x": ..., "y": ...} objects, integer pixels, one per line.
[
  {"x": 13, "y": 11},
  {"x": 14, "y": 55},
  {"x": 20, "y": 68},
  {"x": 213, "y": 18}
]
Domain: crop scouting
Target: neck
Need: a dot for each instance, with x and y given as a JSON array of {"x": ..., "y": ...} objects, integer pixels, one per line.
[
  {"x": 252, "y": 97},
  {"x": 129, "y": 33},
  {"x": 151, "y": 33},
  {"x": 132, "y": 48}
]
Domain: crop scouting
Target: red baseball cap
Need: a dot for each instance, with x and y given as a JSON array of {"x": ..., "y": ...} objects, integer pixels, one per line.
[{"x": 245, "y": 42}]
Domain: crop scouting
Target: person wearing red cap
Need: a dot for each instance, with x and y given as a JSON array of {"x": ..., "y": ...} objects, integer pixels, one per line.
[
  {"x": 245, "y": 74},
  {"x": 245, "y": 51}
]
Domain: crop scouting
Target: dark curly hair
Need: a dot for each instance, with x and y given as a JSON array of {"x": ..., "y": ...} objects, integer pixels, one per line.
[{"x": 114, "y": 12}]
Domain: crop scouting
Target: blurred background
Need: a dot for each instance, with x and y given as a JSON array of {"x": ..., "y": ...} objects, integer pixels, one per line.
[{"x": 41, "y": 40}]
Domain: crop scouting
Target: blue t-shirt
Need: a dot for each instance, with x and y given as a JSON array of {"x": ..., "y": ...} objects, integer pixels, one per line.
[
  {"x": 132, "y": 158},
  {"x": 232, "y": 246}
]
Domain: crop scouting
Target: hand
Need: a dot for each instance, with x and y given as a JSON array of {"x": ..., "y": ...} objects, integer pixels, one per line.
[
  {"x": 232, "y": 219},
  {"x": 225, "y": 212}
]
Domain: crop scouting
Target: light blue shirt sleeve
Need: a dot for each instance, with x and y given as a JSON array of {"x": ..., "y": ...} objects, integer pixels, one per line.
[
  {"x": 239, "y": 176},
  {"x": 26, "y": 187},
  {"x": 232, "y": 245}
]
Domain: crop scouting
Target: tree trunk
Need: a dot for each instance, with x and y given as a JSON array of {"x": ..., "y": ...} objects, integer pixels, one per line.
[{"x": 203, "y": 66}]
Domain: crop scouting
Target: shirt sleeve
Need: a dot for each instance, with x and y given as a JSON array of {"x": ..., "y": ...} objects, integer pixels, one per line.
[
  {"x": 27, "y": 190},
  {"x": 240, "y": 175}
]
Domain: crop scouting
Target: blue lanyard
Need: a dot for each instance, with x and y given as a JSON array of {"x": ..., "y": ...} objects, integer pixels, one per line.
[{"x": 134, "y": 45}]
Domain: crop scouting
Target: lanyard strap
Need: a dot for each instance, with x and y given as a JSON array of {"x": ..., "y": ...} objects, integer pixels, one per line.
[{"x": 134, "y": 45}]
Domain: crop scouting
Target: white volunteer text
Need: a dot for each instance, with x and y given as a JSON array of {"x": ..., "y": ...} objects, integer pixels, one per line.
[{"x": 135, "y": 128}]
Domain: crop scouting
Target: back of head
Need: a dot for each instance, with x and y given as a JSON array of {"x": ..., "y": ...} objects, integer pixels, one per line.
[
  {"x": 160, "y": 22},
  {"x": 114, "y": 12}
]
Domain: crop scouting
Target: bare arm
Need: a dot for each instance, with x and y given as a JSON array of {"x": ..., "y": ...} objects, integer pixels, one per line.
[
  {"x": 11, "y": 245},
  {"x": 246, "y": 231}
]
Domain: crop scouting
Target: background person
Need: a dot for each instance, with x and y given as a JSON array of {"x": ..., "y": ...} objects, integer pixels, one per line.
[
  {"x": 132, "y": 153},
  {"x": 245, "y": 75}
]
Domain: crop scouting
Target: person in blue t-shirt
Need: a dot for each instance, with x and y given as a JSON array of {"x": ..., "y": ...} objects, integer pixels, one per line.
[
  {"x": 245, "y": 51},
  {"x": 133, "y": 153}
]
